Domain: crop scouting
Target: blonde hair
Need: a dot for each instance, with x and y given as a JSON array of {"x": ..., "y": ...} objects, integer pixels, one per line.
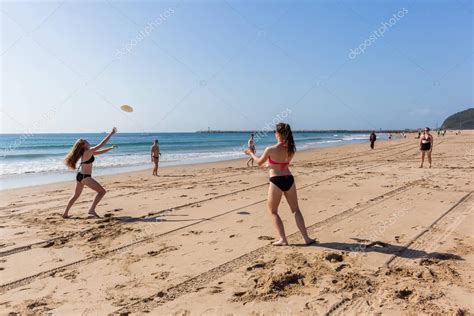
[{"x": 74, "y": 154}]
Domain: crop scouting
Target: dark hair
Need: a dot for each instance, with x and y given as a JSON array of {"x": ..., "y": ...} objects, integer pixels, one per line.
[
  {"x": 427, "y": 128},
  {"x": 287, "y": 135}
]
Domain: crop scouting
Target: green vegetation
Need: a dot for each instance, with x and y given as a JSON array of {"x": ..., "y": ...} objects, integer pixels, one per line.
[{"x": 460, "y": 120}]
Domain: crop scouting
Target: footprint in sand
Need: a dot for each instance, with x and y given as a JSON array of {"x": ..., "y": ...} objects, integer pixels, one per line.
[
  {"x": 334, "y": 257},
  {"x": 243, "y": 213},
  {"x": 196, "y": 232},
  {"x": 266, "y": 238},
  {"x": 215, "y": 289},
  {"x": 161, "y": 275},
  {"x": 161, "y": 251}
]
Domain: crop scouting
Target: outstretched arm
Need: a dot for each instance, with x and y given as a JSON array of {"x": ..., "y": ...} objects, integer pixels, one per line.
[
  {"x": 259, "y": 160},
  {"x": 103, "y": 151},
  {"x": 104, "y": 141}
]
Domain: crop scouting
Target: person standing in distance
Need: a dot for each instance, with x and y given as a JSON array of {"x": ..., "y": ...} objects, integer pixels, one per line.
[{"x": 372, "y": 139}]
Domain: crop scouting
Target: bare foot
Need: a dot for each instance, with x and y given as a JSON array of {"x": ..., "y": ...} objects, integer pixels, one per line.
[
  {"x": 93, "y": 214},
  {"x": 421, "y": 166},
  {"x": 310, "y": 241},
  {"x": 65, "y": 216},
  {"x": 280, "y": 242}
]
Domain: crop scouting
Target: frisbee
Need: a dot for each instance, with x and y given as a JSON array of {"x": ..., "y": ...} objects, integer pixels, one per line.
[{"x": 126, "y": 108}]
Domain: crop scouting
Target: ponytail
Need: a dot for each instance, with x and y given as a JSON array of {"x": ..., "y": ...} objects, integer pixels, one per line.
[{"x": 287, "y": 135}]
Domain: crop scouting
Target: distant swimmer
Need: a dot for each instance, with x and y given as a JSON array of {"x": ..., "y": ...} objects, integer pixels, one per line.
[
  {"x": 426, "y": 146},
  {"x": 390, "y": 136},
  {"x": 282, "y": 182},
  {"x": 83, "y": 150},
  {"x": 155, "y": 156},
  {"x": 372, "y": 139},
  {"x": 251, "y": 147}
]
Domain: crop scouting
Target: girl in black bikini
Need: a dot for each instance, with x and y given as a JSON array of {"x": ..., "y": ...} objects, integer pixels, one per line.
[
  {"x": 83, "y": 150},
  {"x": 282, "y": 181},
  {"x": 426, "y": 146}
]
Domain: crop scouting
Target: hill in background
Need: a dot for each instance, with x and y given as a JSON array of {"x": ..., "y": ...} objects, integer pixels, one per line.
[{"x": 460, "y": 120}]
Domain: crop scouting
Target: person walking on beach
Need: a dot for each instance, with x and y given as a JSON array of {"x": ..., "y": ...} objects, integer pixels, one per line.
[
  {"x": 372, "y": 139},
  {"x": 83, "y": 150},
  {"x": 426, "y": 146},
  {"x": 155, "y": 156},
  {"x": 282, "y": 182},
  {"x": 251, "y": 147}
]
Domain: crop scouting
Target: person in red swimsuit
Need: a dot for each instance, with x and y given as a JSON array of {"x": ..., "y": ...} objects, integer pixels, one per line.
[{"x": 282, "y": 182}]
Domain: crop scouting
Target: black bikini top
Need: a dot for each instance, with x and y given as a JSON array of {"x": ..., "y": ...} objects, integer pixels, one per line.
[{"x": 91, "y": 160}]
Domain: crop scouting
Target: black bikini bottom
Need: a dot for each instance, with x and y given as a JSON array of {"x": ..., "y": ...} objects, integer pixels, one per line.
[
  {"x": 81, "y": 177},
  {"x": 284, "y": 183},
  {"x": 425, "y": 146}
]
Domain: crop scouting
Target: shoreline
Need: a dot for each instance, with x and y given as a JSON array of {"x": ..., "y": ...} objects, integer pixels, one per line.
[{"x": 106, "y": 172}]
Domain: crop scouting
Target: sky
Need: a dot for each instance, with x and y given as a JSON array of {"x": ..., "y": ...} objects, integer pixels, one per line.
[{"x": 68, "y": 66}]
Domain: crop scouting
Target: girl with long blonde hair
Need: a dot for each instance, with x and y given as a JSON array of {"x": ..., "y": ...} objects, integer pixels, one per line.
[{"x": 84, "y": 151}]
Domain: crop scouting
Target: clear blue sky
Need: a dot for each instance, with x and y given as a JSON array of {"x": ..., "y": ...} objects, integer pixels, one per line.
[{"x": 233, "y": 64}]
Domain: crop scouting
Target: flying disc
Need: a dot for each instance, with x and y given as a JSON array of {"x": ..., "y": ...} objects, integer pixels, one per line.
[{"x": 126, "y": 108}]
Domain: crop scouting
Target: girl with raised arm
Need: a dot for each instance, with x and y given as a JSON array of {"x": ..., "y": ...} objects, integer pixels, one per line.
[
  {"x": 282, "y": 182},
  {"x": 83, "y": 150}
]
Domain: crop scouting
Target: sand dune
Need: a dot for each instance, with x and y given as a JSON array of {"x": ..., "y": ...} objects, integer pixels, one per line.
[{"x": 392, "y": 238}]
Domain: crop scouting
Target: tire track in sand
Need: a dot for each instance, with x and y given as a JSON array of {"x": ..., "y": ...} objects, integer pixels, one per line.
[
  {"x": 191, "y": 285},
  {"x": 419, "y": 243}
]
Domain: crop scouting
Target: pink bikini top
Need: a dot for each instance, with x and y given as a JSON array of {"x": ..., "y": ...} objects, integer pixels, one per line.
[{"x": 284, "y": 165}]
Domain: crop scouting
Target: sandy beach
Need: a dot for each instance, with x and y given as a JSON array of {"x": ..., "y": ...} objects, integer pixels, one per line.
[{"x": 392, "y": 239}]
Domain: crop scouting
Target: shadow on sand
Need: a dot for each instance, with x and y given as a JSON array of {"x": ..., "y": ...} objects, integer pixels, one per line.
[
  {"x": 385, "y": 248},
  {"x": 155, "y": 219}
]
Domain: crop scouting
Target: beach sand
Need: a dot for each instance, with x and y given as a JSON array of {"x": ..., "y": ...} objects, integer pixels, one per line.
[{"x": 392, "y": 238}]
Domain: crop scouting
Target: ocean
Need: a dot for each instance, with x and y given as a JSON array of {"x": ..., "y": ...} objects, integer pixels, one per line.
[{"x": 38, "y": 158}]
